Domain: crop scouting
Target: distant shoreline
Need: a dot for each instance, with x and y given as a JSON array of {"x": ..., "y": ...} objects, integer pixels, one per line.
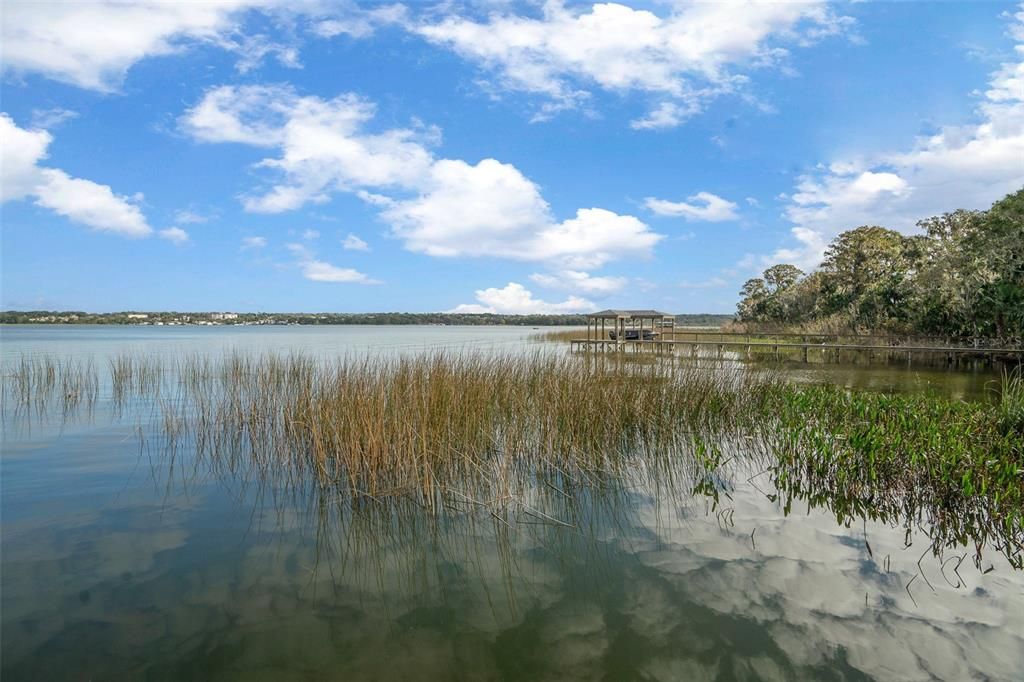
[{"x": 210, "y": 319}]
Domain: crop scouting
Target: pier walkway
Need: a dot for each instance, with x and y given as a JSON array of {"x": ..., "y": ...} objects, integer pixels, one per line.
[{"x": 952, "y": 354}]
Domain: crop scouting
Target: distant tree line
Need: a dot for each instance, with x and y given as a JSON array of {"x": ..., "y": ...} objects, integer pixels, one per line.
[
  {"x": 167, "y": 318},
  {"x": 963, "y": 277}
]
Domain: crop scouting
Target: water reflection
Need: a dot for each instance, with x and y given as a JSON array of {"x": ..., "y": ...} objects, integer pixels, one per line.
[{"x": 221, "y": 577}]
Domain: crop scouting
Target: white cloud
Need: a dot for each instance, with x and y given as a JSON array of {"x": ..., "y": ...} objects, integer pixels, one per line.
[
  {"x": 188, "y": 217},
  {"x": 967, "y": 166},
  {"x": 703, "y": 206},
  {"x": 687, "y": 56},
  {"x": 577, "y": 280},
  {"x": 51, "y": 118},
  {"x": 92, "y": 204},
  {"x": 93, "y": 44},
  {"x": 79, "y": 200},
  {"x": 324, "y": 147},
  {"x": 22, "y": 151},
  {"x": 441, "y": 207},
  {"x": 175, "y": 235},
  {"x": 359, "y": 23},
  {"x": 665, "y": 115},
  {"x": 310, "y": 235},
  {"x": 319, "y": 271},
  {"x": 594, "y": 237},
  {"x": 253, "y": 242},
  {"x": 466, "y": 209},
  {"x": 354, "y": 243},
  {"x": 515, "y": 299}
]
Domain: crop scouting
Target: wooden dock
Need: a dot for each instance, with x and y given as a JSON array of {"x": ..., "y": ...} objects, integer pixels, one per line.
[{"x": 952, "y": 354}]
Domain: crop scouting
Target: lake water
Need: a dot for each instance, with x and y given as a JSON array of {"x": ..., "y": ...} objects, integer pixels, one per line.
[{"x": 125, "y": 559}]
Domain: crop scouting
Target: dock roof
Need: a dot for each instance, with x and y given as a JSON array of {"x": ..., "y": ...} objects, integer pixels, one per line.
[{"x": 614, "y": 314}]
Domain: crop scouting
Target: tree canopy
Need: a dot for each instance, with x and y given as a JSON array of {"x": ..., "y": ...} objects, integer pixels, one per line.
[{"x": 963, "y": 275}]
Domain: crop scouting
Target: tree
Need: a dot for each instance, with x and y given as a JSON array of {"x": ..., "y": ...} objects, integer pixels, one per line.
[
  {"x": 753, "y": 295},
  {"x": 866, "y": 275},
  {"x": 1000, "y": 238},
  {"x": 962, "y": 275},
  {"x": 781, "y": 277}
]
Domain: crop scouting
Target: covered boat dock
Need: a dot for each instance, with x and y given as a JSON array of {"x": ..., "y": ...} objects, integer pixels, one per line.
[{"x": 615, "y": 327}]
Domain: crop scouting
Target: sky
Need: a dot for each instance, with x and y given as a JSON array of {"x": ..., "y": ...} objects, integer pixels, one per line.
[{"x": 539, "y": 157}]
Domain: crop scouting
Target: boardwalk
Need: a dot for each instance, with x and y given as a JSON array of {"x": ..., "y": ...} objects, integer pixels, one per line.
[{"x": 952, "y": 354}]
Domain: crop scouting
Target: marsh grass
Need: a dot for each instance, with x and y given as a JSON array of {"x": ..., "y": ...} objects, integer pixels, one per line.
[
  {"x": 443, "y": 432},
  {"x": 422, "y": 426}
]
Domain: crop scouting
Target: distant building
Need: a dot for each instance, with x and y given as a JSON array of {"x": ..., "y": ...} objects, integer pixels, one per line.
[
  {"x": 137, "y": 316},
  {"x": 223, "y": 316}
]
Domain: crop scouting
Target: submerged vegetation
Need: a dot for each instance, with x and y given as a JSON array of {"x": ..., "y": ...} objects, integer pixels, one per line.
[{"x": 443, "y": 431}]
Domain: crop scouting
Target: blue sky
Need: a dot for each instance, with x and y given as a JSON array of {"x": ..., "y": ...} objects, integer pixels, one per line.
[{"x": 495, "y": 156}]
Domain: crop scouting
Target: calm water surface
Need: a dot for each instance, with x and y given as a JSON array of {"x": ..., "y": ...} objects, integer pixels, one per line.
[{"x": 125, "y": 559}]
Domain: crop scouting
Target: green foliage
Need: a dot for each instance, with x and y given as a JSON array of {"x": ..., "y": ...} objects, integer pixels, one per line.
[{"x": 962, "y": 277}]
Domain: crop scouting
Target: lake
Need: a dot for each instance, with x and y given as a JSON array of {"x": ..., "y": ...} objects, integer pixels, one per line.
[{"x": 126, "y": 555}]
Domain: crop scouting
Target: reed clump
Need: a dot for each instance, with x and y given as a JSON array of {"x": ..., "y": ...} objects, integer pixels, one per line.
[
  {"x": 42, "y": 381},
  {"x": 1011, "y": 401},
  {"x": 416, "y": 425},
  {"x": 560, "y": 335}
]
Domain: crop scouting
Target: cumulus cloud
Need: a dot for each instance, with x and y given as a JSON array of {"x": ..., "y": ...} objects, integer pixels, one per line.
[
  {"x": 515, "y": 299},
  {"x": 93, "y": 44},
  {"x": 82, "y": 201},
  {"x": 354, "y": 243},
  {"x": 310, "y": 235},
  {"x": 577, "y": 280},
  {"x": 175, "y": 235},
  {"x": 967, "y": 166},
  {"x": 441, "y": 207},
  {"x": 685, "y": 57},
  {"x": 702, "y": 206},
  {"x": 253, "y": 242},
  {"x": 323, "y": 142},
  {"x": 462, "y": 203},
  {"x": 22, "y": 151}
]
